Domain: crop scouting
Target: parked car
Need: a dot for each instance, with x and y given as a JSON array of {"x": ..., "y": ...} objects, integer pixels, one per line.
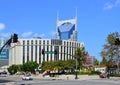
[
  {"x": 3, "y": 74},
  {"x": 103, "y": 75},
  {"x": 27, "y": 77}
]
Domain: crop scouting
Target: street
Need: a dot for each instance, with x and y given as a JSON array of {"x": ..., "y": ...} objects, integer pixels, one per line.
[{"x": 37, "y": 81}]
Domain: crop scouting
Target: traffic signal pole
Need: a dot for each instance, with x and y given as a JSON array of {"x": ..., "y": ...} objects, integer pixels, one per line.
[
  {"x": 8, "y": 42},
  {"x": 13, "y": 39}
]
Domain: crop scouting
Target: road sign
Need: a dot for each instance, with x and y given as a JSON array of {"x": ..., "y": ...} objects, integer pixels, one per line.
[{"x": 49, "y": 52}]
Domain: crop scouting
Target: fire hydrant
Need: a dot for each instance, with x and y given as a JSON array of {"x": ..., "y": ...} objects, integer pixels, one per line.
[{"x": 67, "y": 77}]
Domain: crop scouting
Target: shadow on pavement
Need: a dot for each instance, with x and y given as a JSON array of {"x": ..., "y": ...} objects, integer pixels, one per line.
[{"x": 4, "y": 81}]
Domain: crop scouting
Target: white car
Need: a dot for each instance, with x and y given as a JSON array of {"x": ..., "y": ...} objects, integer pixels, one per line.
[{"x": 27, "y": 77}]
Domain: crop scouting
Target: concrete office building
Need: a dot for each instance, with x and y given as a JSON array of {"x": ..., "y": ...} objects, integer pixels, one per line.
[
  {"x": 31, "y": 50},
  {"x": 66, "y": 29}
]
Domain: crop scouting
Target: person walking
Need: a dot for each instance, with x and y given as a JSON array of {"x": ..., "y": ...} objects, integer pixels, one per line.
[{"x": 108, "y": 74}]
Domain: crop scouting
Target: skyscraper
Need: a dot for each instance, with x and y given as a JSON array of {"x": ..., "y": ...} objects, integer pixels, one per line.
[{"x": 67, "y": 29}]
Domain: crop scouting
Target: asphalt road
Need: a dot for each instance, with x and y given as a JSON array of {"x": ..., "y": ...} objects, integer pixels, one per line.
[{"x": 36, "y": 81}]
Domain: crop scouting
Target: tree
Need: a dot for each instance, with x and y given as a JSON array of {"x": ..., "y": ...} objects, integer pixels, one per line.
[
  {"x": 12, "y": 69},
  {"x": 80, "y": 54},
  {"x": 111, "y": 48},
  {"x": 96, "y": 62},
  {"x": 30, "y": 66},
  {"x": 60, "y": 65},
  {"x": 103, "y": 62}
]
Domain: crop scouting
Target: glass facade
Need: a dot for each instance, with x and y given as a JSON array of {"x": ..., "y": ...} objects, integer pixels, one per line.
[
  {"x": 66, "y": 34},
  {"x": 66, "y": 30}
]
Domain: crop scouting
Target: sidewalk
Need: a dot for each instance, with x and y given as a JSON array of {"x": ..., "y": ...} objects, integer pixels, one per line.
[
  {"x": 72, "y": 77},
  {"x": 68, "y": 77}
]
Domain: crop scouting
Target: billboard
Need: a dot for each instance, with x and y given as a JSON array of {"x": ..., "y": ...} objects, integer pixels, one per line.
[{"x": 4, "y": 54}]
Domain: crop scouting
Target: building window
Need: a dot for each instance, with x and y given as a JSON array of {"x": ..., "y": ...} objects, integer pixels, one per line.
[
  {"x": 67, "y": 51},
  {"x": 47, "y": 50},
  {"x": 44, "y": 50},
  {"x": 23, "y": 52},
  {"x": 31, "y": 50},
  {"x": 39, "y": 52},
  {"x": 36, "y": 50},
  {"x": 51, "y": 54},
  {"x": 27, "y": 50}
]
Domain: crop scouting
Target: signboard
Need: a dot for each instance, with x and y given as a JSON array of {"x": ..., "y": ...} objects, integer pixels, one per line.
[
  {"x": 4, "y": 54},
  {"x": 49, "y": 52}
]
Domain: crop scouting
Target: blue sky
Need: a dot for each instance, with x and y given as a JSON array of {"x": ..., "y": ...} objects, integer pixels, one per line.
[{"x": 37, "y": 18}]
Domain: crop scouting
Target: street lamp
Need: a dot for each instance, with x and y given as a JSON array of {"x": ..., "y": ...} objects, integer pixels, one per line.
[{"x": 76, "y": 76}]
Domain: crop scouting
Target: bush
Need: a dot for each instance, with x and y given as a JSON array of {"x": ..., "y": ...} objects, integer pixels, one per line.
[
  {"x": 115, "y": 75},
  {"x": 95, "y": 72},
  {"x": 84, "y": 72}
]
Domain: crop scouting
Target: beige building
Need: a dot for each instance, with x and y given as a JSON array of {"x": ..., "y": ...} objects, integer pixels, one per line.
[{"x": 31, "y": 50}]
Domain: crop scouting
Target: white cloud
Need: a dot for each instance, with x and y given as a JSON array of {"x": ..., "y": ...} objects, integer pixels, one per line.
[
  {"x": 117, "y": 3},
  {"x": 39, "y": 35},
  {"x": 5, "y": 34},
  {"x": 108, "y": 6},
  {"x": 2, "y": 26},
  {"x": 111, "y": 5},
  {"x": 52, "y": 33},
  {"x": 26, "y": 34}
]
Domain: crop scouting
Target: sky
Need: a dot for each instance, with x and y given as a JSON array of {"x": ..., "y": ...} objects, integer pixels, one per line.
[{"x": 37, "y": 18}]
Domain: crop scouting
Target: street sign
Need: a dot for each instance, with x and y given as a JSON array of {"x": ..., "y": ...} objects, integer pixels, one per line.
[{"x": 49, "y": 52}]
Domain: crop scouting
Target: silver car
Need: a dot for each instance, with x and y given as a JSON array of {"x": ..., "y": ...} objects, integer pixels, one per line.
[{"x": 27, "y": 77}]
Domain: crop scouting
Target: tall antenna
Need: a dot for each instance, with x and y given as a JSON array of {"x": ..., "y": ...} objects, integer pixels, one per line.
[
  {"x": 76, "y": 13},
  {"x": 76, "y": 18},
  {"x": 57, "y": 20},
  {"x": 57, "y": 16},
  {"x": 76, "y": 27}
]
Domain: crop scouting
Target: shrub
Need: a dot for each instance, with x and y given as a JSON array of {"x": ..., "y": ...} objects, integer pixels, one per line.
[
  {"x": 95, "y": 72},
  {"x": 84, "y": 72}
]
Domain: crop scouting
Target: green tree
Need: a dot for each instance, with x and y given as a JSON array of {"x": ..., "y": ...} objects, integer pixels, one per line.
[
  {"x": 12, "y": 69},
  {"x": 61, "y": 65},
  {"x": 110, "y": 49},
  {"x": 96, "y": 62},
  {"x": 103, "y": 62},
  {"x": 30, "y": 66},
  {"x": 80, "y": 54}
]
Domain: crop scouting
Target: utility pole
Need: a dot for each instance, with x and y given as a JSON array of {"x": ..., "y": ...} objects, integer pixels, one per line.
[{"x": 76, "y": 76}]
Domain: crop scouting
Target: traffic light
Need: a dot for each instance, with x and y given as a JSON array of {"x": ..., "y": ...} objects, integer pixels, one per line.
[
  {"x": 43, "y": 52},
  {"x": 55, "y": 52},
  {"x": 15, "y": 38},
  {"x": 117, "y": 41}
]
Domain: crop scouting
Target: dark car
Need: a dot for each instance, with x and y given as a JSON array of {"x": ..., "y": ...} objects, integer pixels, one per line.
[
  {"x": 103, "y": 75},
  {"x": 3, "y": 74}
]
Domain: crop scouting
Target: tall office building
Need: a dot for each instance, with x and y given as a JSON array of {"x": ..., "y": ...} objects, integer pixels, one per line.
[
  {"x": 67, "y": 29},
  {"x": 32, "y": 50}
]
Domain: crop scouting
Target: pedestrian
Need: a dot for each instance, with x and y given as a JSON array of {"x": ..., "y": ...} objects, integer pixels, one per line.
[{"x": 108, "y": 74}]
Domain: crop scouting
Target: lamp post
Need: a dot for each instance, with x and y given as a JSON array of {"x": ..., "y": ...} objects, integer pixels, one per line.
[{"x": 76, "y": 76}]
